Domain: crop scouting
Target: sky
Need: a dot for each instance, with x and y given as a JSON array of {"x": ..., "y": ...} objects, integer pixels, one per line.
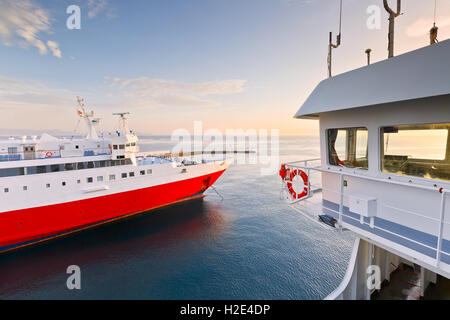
[{"x": 232, "y": 64}]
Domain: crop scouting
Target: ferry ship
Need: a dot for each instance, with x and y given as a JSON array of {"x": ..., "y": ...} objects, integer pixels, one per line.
[
  {"x": 51, "y": 187},
  {"x": 383, "y": 174}
]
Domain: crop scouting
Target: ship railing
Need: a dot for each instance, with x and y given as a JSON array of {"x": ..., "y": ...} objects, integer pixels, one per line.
[
  {"x": 312, "y": 202},
  {"x": 52, "y": 153}
]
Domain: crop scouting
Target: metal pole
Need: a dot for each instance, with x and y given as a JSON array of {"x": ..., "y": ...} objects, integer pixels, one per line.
[{"x": 441, "y": 228}]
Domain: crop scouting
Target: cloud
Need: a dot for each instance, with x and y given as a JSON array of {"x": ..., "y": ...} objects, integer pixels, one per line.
[
  {"x": 160, "y": 92},
  {"x": 22, "y": 22},
  {"x": 97, "y": 7},
  {"x": 421, "y": 26},
  {"x": 33, "y": 105},
  {"x": 15, "y": 92},
  {"x": 54, "y": 47}
]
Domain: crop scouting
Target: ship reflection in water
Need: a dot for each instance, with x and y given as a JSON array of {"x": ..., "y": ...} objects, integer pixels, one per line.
[{"x": 163, "y": 234}]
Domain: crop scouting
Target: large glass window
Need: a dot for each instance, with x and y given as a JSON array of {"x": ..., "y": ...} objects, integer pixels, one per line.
[
  {"x": 417, "y": 150},
  {"x": 348, "y": 147}
]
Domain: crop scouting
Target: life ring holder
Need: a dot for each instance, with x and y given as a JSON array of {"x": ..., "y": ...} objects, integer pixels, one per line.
[{"x": 304, "y": 176}]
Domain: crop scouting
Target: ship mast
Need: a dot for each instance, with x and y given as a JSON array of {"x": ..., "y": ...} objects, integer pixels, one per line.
[
  {"x": 123, "y": 121},
  {"x": 92, "y": 134}
]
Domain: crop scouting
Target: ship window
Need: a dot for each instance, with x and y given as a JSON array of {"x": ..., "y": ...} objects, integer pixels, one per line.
[
  {"x": 47, "y": 185},
  {"x": 12, "y": 150},
  {"x": 124, "y": 175},
  {"x": 78, "y": 181},
  {"x": 90, "y": 165},
  {"x": 41, "y": 169},
  {"x": 11, "y": 172},
  {"x": 417, "y": 150},
  {"x": 149, "y": 171},
  {"x": 131, "y": 174},
  {"x": 76, "y": 147},
  {"x": 102, "y": 164},
  {"x": 121, "y": 146},
  {"x": 6, "y": 190},
  {"x": 133, "y": 144},
  {"x": 25, "y": 188},
  {"x": 99, "y": 178},
  {"x": 348, "y": 147},
  {"x": 112, "y": 177},
  {"x": 80, "y": 165},
  {"x": 115, "y": 147},
  {"x": 128, "y": 161},
  {"x": 68, "y": 166},
  {"x": 54, "y": 168},
  {"x": 63, "y": 183},
  {"x": 90, "y": 180},
  {"x": 142, "y": 172}
]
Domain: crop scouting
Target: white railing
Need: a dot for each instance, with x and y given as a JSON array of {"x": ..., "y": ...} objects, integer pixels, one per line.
[{"x": 310, "y": 169}]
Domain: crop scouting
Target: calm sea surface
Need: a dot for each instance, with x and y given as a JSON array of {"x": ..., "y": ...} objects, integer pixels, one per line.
[{"x": 251, "y": 245}]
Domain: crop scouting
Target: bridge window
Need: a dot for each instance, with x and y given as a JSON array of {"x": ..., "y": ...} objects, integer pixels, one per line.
[
  {"x": 417, "y": 150},
  {"x": 348, "y": 147},
  {"x": 41, "y": 169}
]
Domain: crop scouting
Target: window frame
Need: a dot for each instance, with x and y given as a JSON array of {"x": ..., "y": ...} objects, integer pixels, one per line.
[
  {"x": 398, "y": 175},
  {"x": 328, "y": 147}
]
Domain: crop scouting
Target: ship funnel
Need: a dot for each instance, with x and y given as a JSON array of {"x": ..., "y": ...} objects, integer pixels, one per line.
[
  {"x": 331, "y": 45},
  {"x": 392, "y": 16}
]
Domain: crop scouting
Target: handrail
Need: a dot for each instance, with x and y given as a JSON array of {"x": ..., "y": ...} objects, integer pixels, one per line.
[
  {"x": 349, "y": 174},
  {"x": 444, "y": 192},
  {"x": 338, "y": 292}
]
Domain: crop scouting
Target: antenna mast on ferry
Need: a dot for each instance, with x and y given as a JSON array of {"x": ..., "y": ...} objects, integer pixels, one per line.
[
  {"x": 332, "y": 46},
  {"x": 92, "y": 134},
  {"x": 123, "y": 120}
]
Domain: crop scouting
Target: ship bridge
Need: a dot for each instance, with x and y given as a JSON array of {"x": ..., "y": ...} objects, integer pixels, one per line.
[{"x": 384, "y": 170}]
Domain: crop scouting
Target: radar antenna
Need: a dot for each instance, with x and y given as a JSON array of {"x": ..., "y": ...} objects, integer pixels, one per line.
[{"x": 123, "y": 120}]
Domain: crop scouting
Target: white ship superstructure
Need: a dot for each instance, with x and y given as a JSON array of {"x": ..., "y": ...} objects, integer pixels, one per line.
[{"x": 384, "y": 170}]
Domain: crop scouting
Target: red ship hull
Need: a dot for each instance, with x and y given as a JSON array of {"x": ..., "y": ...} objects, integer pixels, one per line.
[{"x": 28, "y": 226}]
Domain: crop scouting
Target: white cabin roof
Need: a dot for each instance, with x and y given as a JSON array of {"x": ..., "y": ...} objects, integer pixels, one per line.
[{"x": 417, "y": 74}]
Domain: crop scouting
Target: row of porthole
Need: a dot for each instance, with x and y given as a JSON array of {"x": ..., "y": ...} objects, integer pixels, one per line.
[{"x": 112, "y": 177}]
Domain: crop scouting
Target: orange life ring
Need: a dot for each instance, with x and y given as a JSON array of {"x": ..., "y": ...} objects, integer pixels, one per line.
[
  {"x": 49, "y": 154},
  {"x": 304, "y": 176}
]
